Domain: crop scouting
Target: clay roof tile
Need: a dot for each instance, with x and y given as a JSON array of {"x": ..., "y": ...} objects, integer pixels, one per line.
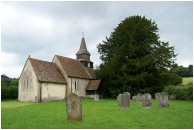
[
  {"x": 47, "y": 71},
  {"x": 93, "y": 84}
]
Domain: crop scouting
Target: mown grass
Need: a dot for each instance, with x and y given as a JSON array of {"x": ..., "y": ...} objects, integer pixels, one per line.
[
  {"x": 102, "y": 114},
  {"x": 187, "y": 80}
]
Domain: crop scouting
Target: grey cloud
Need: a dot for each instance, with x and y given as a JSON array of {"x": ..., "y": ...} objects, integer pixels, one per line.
[{"x": 61, "y": 24}]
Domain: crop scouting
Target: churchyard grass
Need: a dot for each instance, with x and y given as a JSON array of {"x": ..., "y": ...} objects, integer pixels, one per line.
[
  {"x": 103, "y": 114},
  {"x": 187, "y": 80}
]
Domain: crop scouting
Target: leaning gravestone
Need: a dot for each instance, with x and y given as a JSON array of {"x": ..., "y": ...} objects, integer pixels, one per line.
[
  {"x": 147, "y": 100},
  {"x": 96, "y": 97},
  {"x": 73, "y": 107},
  {"x": 163, "y": 99},
  {"x": 125, "y": 100}
]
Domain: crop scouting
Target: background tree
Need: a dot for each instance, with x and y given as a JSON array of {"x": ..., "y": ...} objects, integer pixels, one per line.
[
  {"x": 183, "y": 71},
  {"x": 9, "y": 90},
  {"x": 134, "y": 59}
]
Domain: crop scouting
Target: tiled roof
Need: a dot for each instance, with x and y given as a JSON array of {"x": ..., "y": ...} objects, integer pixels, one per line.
[
  {"x": 93, "y": 84},
  {"x": 73, "y": 68},
  {"x": 47, "y": 71},
  {"x": 91, "y": 72}
]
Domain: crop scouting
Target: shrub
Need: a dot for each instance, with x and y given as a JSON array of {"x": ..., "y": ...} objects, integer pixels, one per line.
[
  {"x": 182, "y": 92},
  {"x": 10, "y": 92}
]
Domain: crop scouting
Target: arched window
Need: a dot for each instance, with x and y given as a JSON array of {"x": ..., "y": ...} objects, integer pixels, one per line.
[{"x": 75, "y": 85}]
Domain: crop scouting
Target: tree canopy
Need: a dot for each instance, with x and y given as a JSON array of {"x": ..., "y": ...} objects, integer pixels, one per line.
[
  {"x": 183, "y": 71},
  {"x": 134, "y": 59}
]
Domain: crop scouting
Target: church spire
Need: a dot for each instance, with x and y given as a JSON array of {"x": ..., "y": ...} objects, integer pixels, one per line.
[
  {"x": 83, "y": 48},
  {"x": 83, "y": 55}
]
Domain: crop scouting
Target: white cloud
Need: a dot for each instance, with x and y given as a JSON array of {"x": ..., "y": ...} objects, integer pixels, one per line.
[{"x": 9, "y": 64}]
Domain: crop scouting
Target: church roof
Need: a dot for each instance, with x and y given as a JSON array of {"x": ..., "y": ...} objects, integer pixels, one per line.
[
  {"x": 47, "y": 71},
  {"x": 83, "y": 48},
  {"x": 91, "y": 73},
  {"x": 93, "y": 84},
  {"x": 73, "y": 68}
]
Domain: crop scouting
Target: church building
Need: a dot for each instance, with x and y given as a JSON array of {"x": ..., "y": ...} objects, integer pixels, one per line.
[{"x": 45, "y": 81}]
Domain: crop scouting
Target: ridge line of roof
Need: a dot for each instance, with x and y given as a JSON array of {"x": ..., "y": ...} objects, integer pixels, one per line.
[
  {"x": 66, "y": 57},
  {"x": 40, "y": 60}
]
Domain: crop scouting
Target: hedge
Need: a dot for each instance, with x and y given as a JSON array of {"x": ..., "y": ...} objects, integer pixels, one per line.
[
  {"x": 182, "y": 92},
  {"x": 9, "y": 92}
]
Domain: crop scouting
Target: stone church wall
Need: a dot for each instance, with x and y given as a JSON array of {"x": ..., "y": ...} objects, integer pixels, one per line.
[
  {"x": 28, "y": 84},
  {"x": 78, "y": 86},
  {"x": 53, "y": 91}
]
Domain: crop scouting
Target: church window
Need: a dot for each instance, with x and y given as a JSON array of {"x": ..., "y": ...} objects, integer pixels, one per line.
[
  {"x": 76, "y": 85},
  {"x": 88, "y": 65}
]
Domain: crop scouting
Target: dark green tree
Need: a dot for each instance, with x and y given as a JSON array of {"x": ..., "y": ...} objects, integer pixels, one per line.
[
  {"x": 183, "y": 71},
  {"x": 133, "y": 58}
]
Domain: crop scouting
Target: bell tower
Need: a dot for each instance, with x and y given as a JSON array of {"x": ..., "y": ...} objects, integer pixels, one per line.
[{"x": 83, "y": 55}]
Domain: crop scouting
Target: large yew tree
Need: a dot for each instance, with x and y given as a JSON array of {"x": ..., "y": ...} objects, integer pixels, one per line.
[{"x": 134, "y": 59}]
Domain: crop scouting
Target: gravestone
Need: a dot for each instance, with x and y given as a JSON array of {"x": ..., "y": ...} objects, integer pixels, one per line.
[
  {"x": 172, "y": 97},
  {"x": 163, "y": 99},
  {"x": 125, "y": 100},
  {"x": 133, "y": 97},
  {"x": 119, "y": 99},
  {"x": 139, "y": 97},
  {"x": 156, "y": 95},
  {"x": 147, "y": 100},
  {"x": 96, "y": 97},
  {"x": 73, "y": 107}
]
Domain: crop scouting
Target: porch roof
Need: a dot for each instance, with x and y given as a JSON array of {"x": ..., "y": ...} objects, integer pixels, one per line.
[{"x": 93, "y": 84}]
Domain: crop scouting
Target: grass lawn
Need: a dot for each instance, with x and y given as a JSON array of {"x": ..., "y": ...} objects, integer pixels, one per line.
[
  {"x": 102, "y": 114},
  {"x": 187, "y": 80}
]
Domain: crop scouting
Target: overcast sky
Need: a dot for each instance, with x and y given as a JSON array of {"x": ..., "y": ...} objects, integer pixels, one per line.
[{"x": 45, "y": 29}]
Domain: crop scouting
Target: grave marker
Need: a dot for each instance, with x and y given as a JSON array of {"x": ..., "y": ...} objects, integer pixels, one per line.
[
  {"x": 96, "y": 97},
  {"x": 163, "y": 99},
  {"x": 73, "y": 107},
  {"x": 147, "y": 100},
  {"x": 125, "y": 100},
  {"x": 119, "y": 99}
]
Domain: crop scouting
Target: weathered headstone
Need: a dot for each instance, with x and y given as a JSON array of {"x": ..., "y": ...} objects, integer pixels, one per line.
[
  {"x": 119, "y": 99},
  {"x": 163, "y": 99},
  {"x": 139, "y": 97},
  {"x": 172, "y": 97},
  {"x": 96, "y": 97},
  {"x": 147, "y": 100},
  {"x": 133, "y": 97},
  {"x": 156, "y": 95},
  {"x": 125, "y": 100},
  {"x": 73, "y": 107}
]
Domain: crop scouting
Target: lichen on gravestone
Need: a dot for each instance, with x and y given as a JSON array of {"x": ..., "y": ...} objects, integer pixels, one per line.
[
  {"x": 163, "y": 99},
  {"x": 147, "y": 100},
  {"x": 74, "y": 107}
]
